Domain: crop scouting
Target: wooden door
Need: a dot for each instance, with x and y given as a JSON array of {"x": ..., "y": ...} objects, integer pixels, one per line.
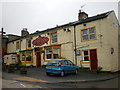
[
  {"x": 38, "y": 61},
  {"x": 93, "y": 59}
]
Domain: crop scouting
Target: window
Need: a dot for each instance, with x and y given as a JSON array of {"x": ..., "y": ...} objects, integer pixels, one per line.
[
  {"x": 84, "y": 35},
  {"x": 48, "y": 53},
  {"x": 54, "y": 37},
  {"x": 28, "y": 43},
  {"x": 17, "y": 45},
  {"x": 92, "y": 33},
  {"x": 56, "y": 52},
  {"x": 22, "y": 56},
  {"x": 52, "y": 52},
  {"x": 86, "y": 55},
  {"x": 88, "y": 34},
  {"x": 28, "y": 56},
  {"x": 70, "y": 63}
]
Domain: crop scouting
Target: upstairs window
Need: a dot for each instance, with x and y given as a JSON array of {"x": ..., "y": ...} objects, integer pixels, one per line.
[
  {"x": 88, "y": 34},
  {"x": 17, "y": 45},
  {"x": 54, "y": 38},
  {"x": 28, "y": 43}
]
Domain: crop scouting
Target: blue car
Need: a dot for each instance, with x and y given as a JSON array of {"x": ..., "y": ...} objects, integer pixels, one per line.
[{"x": 61, "y": 67}]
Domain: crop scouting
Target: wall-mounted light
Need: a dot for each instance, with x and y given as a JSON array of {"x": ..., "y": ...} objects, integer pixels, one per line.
[
  {"x": 64, "y": 29},
  {"x": 100, "y": 35},
  {"x": 112, "y": 50},
  {"x": 68, "y": 30}
]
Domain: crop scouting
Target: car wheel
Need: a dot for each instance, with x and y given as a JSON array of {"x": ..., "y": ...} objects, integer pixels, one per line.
[
  {"x": 48, "y": 74},
  {"x": 62, "y": 74}
]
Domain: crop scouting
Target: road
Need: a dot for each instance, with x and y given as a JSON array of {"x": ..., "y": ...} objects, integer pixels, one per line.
[
  {"x": 18, "y": 84},
  {"x": 35, "y": 74},
  {"x": 113, "y": 83}
]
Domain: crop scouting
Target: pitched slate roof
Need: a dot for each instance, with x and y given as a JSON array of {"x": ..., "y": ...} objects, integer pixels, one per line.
[
  {"x": 93, "y": 18},
  {"x": 89, "y": 19}
]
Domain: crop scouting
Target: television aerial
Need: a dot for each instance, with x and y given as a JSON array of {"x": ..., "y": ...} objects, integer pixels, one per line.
[{"x": 81, "y": 8}]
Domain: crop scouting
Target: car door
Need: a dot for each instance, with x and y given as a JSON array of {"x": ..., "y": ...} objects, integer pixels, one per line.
[
  {"x": 65, "y": 66},
  {"x": 71, "y": 66}
]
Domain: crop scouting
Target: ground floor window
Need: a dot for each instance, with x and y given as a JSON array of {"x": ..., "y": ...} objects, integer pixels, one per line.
[
  {"x": 52, "y": 52},
  {"x": 86, "y": 55},
  {"x": 56, "y": 52},
  {"x": 22, "y": 56},
  {"x": 26, "y": 56},
  {"x": 48, "y": 53}
]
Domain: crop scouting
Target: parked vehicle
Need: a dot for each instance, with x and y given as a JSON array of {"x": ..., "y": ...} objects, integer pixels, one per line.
[{"x": 61, "y": 66}]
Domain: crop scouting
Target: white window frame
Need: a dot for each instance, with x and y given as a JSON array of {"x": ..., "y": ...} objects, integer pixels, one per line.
[{"x": 84, "y": 55}]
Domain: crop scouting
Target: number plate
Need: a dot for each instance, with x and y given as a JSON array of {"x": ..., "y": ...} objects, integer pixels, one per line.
[{"x": 52, "y": 66}]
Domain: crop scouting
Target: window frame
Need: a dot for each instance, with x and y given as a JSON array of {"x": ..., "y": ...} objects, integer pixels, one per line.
[
  {"x": 88, "y": 34},
  {"x": 51, "y": 38},
  {"x": 27, "y": 44},
  {"x": 86, "y": 56},
  {"x": 49, "y": 52},
  {"x": 52, "y": 52},
  {"x": 31, "y": 56},
  {"x": 25, "y": 55},
  {"x": 17, "y": 45},
  {"x": 21, "y": 56}
]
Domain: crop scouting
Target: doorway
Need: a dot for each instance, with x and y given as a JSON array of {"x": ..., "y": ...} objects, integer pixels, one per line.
[
  {"x": 38, "y": 59},
  {"x": 93, "y": 59}
]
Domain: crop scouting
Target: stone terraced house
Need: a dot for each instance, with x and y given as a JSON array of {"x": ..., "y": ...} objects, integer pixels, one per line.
[{"x": 90, "y": 42}]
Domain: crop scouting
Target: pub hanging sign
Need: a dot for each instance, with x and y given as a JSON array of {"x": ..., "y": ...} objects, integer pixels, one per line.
[{"x": 40, "y": 41}]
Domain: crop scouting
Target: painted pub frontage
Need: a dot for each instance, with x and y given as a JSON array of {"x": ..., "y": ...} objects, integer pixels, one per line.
[{"x": 90, "y": 42}]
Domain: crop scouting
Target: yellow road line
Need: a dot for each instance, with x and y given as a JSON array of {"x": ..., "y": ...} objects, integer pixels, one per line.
[{"x": 29, "y": 79}]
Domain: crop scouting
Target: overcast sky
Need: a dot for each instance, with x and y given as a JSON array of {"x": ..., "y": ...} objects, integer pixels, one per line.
[{"x": 47, "y": 13}]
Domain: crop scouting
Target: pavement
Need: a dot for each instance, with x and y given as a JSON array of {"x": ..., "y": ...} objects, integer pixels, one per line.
[{"x": 39, "y": 75}]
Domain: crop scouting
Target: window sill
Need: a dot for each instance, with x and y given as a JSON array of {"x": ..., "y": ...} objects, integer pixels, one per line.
[
  {"x": 86, "y": 62},
  {"x": 88, "y": 40}
]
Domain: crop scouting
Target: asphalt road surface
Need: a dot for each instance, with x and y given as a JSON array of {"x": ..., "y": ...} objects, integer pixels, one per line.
[{"x": 113, "y": 83}]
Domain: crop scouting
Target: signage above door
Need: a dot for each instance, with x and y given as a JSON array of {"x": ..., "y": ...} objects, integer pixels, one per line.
[{"x": 40, "y": 41}]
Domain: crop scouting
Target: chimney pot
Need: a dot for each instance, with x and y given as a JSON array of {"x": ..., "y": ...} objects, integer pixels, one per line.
[
  {"x": 82, "y": 15},
  {"x": 24, "y": 32}
]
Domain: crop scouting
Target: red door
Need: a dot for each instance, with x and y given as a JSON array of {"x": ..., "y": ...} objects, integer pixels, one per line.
[
  {"x": 38, "y": 63},
  {"x": 93, "y": 59}
]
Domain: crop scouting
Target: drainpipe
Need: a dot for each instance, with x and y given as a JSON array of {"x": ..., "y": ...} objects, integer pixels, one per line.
[{"x": 75, "y": 44}]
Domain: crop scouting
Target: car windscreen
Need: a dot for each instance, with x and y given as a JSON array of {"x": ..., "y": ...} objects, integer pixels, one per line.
[{"x": 53, "y": 62}]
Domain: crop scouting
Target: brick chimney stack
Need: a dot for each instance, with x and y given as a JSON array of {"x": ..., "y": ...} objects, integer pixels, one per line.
[
  {"x": 24, "y": 32},
  {"x": 82, "y": 15}
]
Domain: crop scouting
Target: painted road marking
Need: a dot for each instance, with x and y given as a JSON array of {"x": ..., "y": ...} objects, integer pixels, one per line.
[
  {"x": 29, "y": 79},
  {"x": 22, "y": 85}
]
